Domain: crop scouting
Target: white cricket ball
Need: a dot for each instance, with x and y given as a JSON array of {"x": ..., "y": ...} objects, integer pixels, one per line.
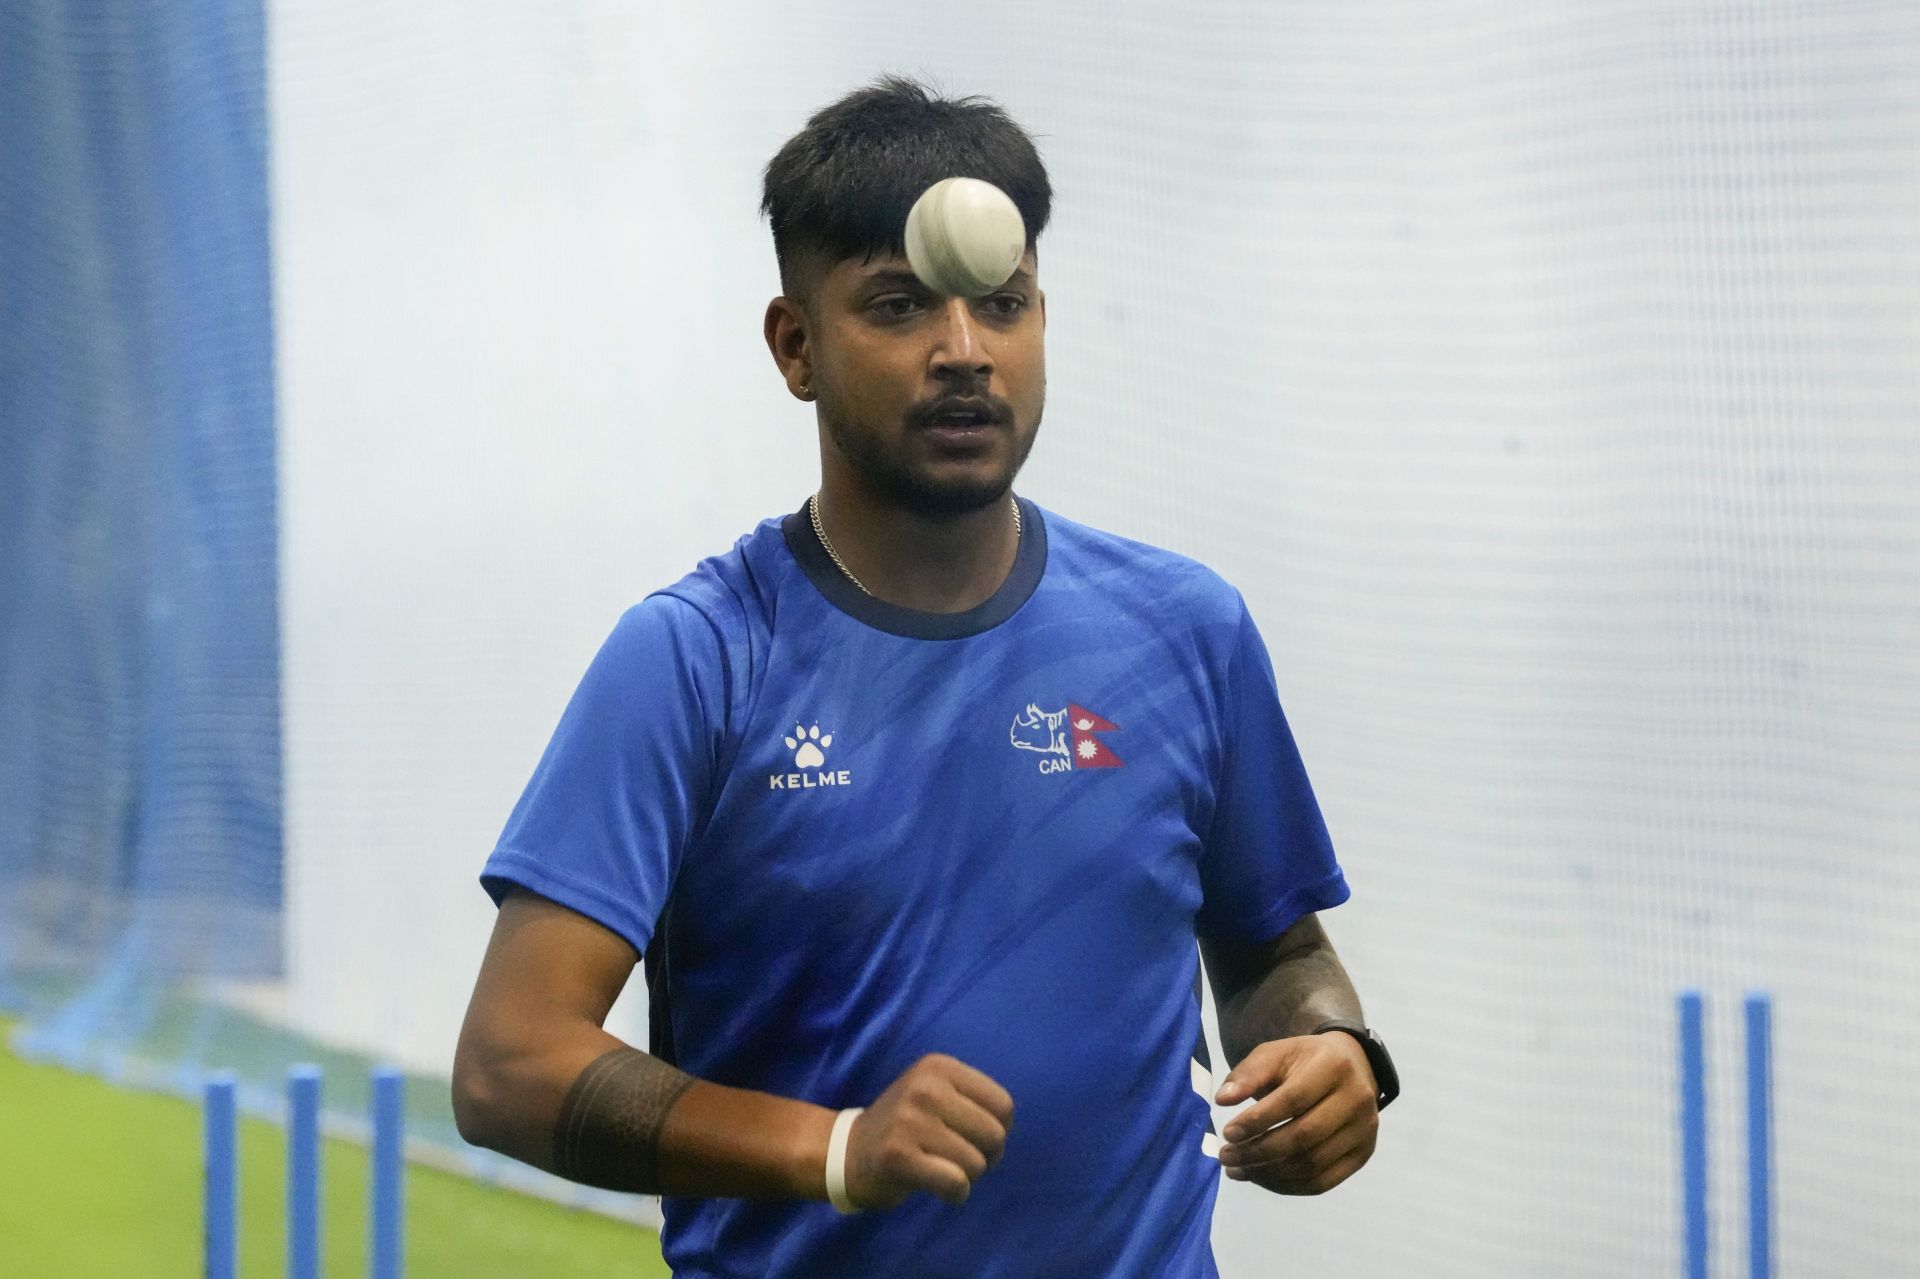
[{"x": 964, "y": 237}]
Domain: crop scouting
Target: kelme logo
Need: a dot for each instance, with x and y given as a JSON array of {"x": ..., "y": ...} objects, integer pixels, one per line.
[{"x": 809, "y": 746}]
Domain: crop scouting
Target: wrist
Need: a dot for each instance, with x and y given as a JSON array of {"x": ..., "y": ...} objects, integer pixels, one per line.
[
  {"x": 806, "y": 1171},
  {"x": 1386, "y": 1079}
]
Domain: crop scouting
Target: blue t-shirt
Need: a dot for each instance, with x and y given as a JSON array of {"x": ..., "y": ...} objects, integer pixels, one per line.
[{"x": 845, "y": 834}]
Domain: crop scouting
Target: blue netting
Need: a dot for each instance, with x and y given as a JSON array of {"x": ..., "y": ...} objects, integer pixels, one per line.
[{"x": 140, "y": 809}]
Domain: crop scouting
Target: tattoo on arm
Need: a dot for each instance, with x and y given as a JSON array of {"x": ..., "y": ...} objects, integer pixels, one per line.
[{"x": 608, "y": 1133}]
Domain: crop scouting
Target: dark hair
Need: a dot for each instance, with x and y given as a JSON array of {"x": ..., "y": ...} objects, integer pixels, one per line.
[{"x": 842, "y": 186}]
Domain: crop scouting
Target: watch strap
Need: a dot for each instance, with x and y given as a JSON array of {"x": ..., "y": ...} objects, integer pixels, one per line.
[{"x": 1386, "y": 1079}]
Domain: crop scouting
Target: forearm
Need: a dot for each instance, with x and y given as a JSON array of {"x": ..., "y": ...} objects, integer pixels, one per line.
[
  {"x": 1298, "y": 992},
  {"x": 597, "y": 1111}
]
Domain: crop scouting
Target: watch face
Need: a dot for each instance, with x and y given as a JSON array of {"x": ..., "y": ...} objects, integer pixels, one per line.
[{"x": 1384, "y": 1075}]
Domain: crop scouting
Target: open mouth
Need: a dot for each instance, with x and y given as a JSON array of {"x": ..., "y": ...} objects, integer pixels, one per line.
[{"x": 961, "y": 419}]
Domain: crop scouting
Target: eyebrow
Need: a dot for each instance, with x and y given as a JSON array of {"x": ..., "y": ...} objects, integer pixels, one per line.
[{"x": 901, "y": 276}]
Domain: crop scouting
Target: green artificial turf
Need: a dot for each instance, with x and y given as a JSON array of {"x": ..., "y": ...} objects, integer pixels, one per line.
[{"x": 100, "y": 1181}]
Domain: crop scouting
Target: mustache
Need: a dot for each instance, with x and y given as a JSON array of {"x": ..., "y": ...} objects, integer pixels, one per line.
[{"x": 990, "y": 408}]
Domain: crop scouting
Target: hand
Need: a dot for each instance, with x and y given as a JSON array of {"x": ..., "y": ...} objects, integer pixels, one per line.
[
  {"x": 1316, "y": 1121},
  {"x": 937, "y": 1128}
]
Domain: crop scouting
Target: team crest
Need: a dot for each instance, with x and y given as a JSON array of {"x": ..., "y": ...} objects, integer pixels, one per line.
[{"x": 1064, "y": 739}]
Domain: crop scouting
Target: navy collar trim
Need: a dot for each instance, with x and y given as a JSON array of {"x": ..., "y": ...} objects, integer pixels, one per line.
[{"x": 1029, "y": 564}]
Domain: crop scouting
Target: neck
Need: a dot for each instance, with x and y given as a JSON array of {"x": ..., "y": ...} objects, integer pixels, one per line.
[{"x": 933, "y": 563}]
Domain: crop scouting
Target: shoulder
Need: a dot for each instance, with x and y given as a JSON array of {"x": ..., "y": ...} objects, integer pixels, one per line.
[
  {"x": 730, "y": 592},
  {"x": 1175, "y": 588},
  {"x": 706, "y": 633}
]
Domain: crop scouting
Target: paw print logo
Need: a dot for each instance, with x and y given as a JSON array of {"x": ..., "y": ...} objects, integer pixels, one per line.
[{"x": 808, "y": 746}]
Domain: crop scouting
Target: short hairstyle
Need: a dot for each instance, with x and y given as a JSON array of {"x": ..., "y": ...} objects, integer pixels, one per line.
[{"x": 842, "y": 186}]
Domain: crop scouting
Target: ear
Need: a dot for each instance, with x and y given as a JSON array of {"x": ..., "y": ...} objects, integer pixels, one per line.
[{"x": 788, "y": 341}]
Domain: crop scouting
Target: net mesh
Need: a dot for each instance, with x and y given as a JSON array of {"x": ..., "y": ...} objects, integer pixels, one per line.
[
  {"x": 1544, "y": 375},
  {"x": 140, "y": 767}
]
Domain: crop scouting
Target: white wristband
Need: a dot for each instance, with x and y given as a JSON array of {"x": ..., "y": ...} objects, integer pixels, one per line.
[{"x": 837, "y": 1160}]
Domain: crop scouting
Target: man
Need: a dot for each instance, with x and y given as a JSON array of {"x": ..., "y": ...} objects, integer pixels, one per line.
[{"x": 914, "y": 803}]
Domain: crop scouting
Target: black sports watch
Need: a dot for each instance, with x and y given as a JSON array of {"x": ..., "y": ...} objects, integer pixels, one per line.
[{"x": 1384, "y": 1075}]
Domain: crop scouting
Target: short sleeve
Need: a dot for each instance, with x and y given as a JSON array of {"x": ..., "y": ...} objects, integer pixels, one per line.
[
  {"x": 1268, "y": 860},
  {"x": 616, "y": 798}
]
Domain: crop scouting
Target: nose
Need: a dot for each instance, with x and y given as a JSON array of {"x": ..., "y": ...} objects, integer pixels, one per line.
[{"x": 959, "y": 351}]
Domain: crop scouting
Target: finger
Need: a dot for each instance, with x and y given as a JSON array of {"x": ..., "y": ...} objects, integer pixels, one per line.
[
  {"x": 945, "y": 1143},
  {"x": 983, "y": 1090},
  {"x": 1306, "y": 1143},
  {"x": 1299, "y": 1094},
  {"x": 1306, "y": 1130},
  {"x": 942, "y": 1178},
  {"x": 1258, "y": 1073},
  {"x": 982, "y": 1130},
  {"x": 1303, "y": 1132},
  {"x": 1317, "y": 1182}
]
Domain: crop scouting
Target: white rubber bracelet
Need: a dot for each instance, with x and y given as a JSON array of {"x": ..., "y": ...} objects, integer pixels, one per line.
[{"x": 837, "y": 1160}]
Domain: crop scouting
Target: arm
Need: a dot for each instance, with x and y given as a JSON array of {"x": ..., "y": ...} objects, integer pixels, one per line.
[
  {"x": 1278, "y": 988},
  {"x": 1315, "y": 1122},
  {"x": 536, "y": 1077}
]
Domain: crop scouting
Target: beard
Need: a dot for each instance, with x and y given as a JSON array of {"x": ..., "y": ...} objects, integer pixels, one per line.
[{"x": 895, "y": 481}]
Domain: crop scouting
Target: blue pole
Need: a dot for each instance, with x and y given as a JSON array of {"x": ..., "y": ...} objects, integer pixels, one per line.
[
  {"x": 1693, "y": 1131},
  {"x": 303, "y": 1172},
  {"x": 220, "y": 1207},
  {"x": 389, "y": 1118},
  {"x": 1759, "y": 1135}
]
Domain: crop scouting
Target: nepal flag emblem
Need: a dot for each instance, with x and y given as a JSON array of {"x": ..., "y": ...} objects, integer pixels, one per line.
[{"x": 1066, "y": 739}]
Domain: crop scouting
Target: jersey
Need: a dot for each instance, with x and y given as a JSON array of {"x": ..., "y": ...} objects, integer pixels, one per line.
[{"x": 845, "y": 834}]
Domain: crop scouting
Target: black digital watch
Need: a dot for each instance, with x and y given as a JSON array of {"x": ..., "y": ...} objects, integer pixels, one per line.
[{"x": 1384, "y": 1075}]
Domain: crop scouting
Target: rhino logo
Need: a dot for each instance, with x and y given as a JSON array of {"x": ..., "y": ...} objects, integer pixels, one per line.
[
  {"x": 1066, "y": 740},
  {"x": 1042, "y": 731}
]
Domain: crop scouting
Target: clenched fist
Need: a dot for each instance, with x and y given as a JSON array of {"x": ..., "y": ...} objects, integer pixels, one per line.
[
  {"x": 1315, "y": 1122},
  {"x": 937, "y": 1128}
]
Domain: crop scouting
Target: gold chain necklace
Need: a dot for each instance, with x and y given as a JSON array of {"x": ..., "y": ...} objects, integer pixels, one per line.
[{"x": 820, "y": 531}]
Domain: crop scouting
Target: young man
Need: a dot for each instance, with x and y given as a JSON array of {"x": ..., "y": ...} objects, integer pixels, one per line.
[{"x": 915, "y": 802}]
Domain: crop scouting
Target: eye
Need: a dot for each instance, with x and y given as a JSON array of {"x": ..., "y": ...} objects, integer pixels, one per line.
[
  {"x": 1006, "y": 304},
  {"x": 894, "y": 306}
]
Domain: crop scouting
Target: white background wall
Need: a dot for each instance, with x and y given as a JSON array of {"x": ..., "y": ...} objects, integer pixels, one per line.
[{"x": 1544, "y": 374}]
